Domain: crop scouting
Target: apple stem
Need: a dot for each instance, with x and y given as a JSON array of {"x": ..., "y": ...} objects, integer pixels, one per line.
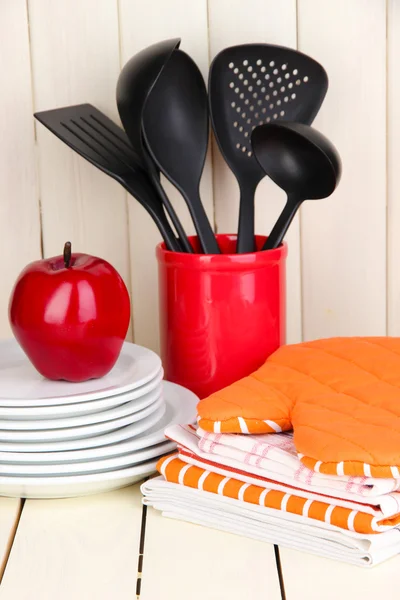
[{"x": 67, "y": 254}]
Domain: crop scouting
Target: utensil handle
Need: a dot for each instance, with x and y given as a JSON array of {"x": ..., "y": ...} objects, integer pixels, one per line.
[
  {"x": 182, "y": 237},
  {"x": 281, "y": 226},
  {"x": 167, "y": 233},
  {"x": 157, "y": 214},
  {"x": 202, "y": 224},
  {"x": 155, "y": 177},
  {"x": 245, "y": 241}
]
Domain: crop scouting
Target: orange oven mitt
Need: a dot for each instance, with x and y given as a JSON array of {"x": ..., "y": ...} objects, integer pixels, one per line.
[{"x": 341, "y": 396}]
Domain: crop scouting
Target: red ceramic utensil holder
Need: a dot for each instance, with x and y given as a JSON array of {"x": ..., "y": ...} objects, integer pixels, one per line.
[{"x": 221, "y": 315}]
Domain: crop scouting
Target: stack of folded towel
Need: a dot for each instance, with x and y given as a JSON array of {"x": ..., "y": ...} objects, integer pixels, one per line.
[{"x": 325, "y": 491}]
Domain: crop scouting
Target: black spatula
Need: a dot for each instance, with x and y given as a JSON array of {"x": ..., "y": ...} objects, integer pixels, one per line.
[
  {"x": 98, "y": 139},
  {"x": 250, "y": 85}
]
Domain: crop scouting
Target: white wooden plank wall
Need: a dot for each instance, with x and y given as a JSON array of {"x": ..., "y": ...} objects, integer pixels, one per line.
[
  {"x": 343, "y": 276},
  {"x": 344, "y": 237}
]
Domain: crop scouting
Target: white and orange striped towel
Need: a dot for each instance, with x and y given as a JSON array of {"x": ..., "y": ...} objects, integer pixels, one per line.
[
  {"x": 276, "y": 453},
  {"x": 268, "y": 525},
  {"x": 384, "y": 510},
  {"x": 276, "y": 457}
]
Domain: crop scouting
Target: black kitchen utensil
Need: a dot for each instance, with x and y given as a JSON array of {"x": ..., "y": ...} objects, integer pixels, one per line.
[
  {"x": 175, "y": 127},
  {"x": 135, "y": 82},
  {"x": 98, "y": 139},
  {"x": 301, "y": 161},
  {"x": 254, "y": 84}
]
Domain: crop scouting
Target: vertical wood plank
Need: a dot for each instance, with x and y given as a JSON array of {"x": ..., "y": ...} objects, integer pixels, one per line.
[
  {"x": 233, "y": 22},
  {"x": 344, "y": 236},
  {"x": 76, "y": 548},
  {"x": 19, "y": 202},
  {"x": 393, "y": 158},
  {"x": 184, "y": 561},
  {"x": 75, "y": 57},
  {"x": 308, "y": 577},
  {"x": 142, "y": 24}
]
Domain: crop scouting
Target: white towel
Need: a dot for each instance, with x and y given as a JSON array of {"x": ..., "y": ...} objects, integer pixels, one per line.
[{"x": 292, "y": 531}]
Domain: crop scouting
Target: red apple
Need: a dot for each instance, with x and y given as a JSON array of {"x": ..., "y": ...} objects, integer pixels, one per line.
[{"x": 70, "y": 314}]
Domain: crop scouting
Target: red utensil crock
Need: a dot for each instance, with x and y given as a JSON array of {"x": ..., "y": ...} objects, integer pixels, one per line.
[{"x": 221, "y": 315}]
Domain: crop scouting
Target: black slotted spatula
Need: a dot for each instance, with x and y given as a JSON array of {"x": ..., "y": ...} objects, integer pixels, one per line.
[
  {"x": 250, "y": 85},
  {"x": 98, "y": 139}
]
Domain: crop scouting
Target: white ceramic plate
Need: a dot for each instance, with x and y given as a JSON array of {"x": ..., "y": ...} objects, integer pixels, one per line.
[
  {"x": 180, "y": 407},
  {"x": 74, "y": 485},
  {"x": 22, "y": 385},
  {"x": 94, "y": 466},
  {"x": 76, "y": 409},
  {"x": 127, "y": 408},
  {"x": 183, "y": 404},
  {"x": 92, "y": 442},
  {"x": 85, "y": 431}
]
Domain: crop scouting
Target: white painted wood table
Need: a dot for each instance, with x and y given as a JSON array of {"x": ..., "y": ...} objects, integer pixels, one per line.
[{"x": 106, "y": 547}]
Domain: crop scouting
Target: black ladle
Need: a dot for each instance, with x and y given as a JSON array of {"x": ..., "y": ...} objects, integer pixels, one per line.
[
  {"x": 135, "y": 83},
  {"x": 301, "y": 161},
  {"x": 175, "y": 127}
]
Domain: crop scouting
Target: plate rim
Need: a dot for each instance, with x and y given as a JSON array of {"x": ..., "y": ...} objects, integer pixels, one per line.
[
  {"x": 71, "y": 435},
  {"x": 85, "y": 396},
  {"x": 12, "y": 424},
  {"x": 151, "y": 439}
]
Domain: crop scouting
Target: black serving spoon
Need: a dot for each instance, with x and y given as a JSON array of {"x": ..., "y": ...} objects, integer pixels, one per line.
[
  {"x": 301, "y": 161},
  {"x": 98, "y": 139},
  {"x": 254, "y": 84},
  {"x": 134, "y": 85},
  {"x": 176, "y": 127}
]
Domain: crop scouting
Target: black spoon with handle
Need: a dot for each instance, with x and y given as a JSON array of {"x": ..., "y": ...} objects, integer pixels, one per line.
[
  {"x": 176, "y": 127},
  {"x": 134, "y": 85}
]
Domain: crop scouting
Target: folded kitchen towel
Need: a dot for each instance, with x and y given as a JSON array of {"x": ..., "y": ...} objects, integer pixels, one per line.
[
  {"x": 260, "y": 523},
  {"x": 276, "y": 454},
  {"x": 285, "y": 477},
  {"x": 361, "y": 519},
  {"x": 341, "y": 396}
]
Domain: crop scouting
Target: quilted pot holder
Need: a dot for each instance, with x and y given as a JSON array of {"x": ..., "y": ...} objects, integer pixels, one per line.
[{"x": 341, "y": 397}]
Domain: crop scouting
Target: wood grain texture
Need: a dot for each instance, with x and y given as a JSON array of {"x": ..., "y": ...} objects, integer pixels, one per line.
[
  {"x": 308, "y": 577},
  {"x": 76, "y": 548},
  {"x": 344, "y": 236},
  {"x": 184, "y": 561},
  {"x": 393, "y": 172},
  {"x": 10, "y": 510},
  {"x": 75, "y": 59},
  {"x": 233, "y": 22},
  {"x": 142, "y": 24},
  {"x": 19, "y": 199}
]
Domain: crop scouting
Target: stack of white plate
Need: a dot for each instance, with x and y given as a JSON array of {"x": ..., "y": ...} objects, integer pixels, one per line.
[{"x": 60, "y": 439}]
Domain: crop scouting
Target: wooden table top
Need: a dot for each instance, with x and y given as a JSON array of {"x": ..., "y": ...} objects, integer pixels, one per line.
[{"x": 107, "y": 547}]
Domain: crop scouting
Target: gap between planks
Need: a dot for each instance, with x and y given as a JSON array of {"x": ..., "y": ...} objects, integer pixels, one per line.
[
  {"x": 11, "y": 538},
  {"x": 280, "y": 572},
  {"x": 141, "y": 552}
]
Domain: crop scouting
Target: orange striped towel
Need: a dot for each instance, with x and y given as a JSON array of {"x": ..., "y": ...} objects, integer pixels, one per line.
[
  {"x": 341, "y": 397},
  {"x": 176, "y": 471}
]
